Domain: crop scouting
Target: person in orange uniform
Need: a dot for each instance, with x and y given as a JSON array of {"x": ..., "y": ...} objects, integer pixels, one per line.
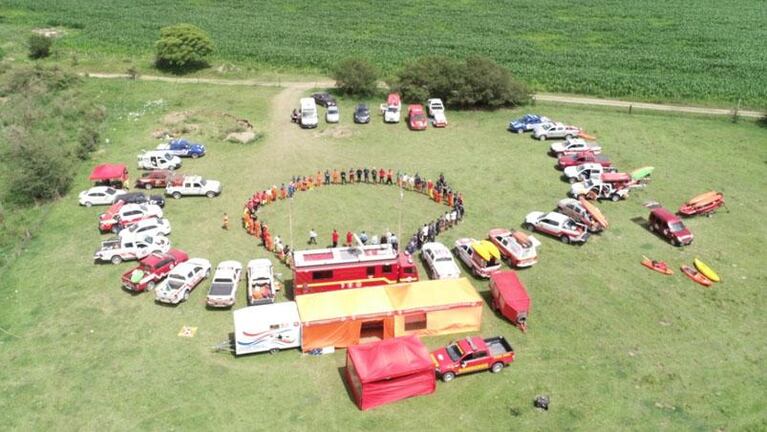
[
  {"x": 257, "y": 228},
  {"x": 226, "y": 222},
  {"x": 430, "y": 188},
  {"x": 450, "y": 199},
  {"x": 318, "y": 179},
  {"x": 336, "y": 177},
  {"x": 283, "y": 192},
  {"x": 274, "y": 193},
  {"x": 381, "y": 175},
  {"x": 351, "y": 175},
  {"x": 437, "y": 196}
]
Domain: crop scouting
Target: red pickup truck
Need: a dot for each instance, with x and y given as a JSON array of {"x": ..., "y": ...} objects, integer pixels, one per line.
[
  {"x": 472, "y": 354},
  {"x": 151, "y": 270}
]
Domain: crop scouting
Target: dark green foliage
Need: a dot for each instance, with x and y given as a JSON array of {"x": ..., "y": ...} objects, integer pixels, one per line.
[
  {"x": 183, "y": 47},
  {"x": 39, "y": 46},
  {"x": 762, "y": 121},
  {"x": 355, "y": 76},
  {"x": 476, "y": 82}
]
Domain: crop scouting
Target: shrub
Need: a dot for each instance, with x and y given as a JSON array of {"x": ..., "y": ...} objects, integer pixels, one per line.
[
  {"x": 356, "y": 76},
  {"x": 39, "y": 46},
  {"x": 182, "y": 47},
  {"x": 762, "y": 121},
  {"x": 476, "y": 82},
  {"x": 41, "y": 171}
]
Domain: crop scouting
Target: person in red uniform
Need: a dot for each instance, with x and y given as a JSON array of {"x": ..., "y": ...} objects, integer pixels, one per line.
[
  {"x": 283, "y": 192},
  {"x": 381, "y": 175},
  {"x": 334, "y": 237},
  {"x": 349, "y": 238},
  {"x": 430, "y": 188},
  {"x": 389, "y": 176}
]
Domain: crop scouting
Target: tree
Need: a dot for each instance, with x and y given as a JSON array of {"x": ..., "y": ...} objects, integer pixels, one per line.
[
  {"x": 39, "y": 46},
  {"x": 182, "y": 47},
  {"x": 356, "y": 76}
]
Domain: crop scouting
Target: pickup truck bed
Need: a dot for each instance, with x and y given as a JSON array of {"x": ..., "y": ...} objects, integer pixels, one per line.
[{"x": 498, "y": 346}]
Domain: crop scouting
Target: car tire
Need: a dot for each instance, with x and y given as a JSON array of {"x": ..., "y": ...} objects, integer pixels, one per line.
[
  {"x": 148, "y": 186},
  {"x": 568, "y": 136},
  {"x": 195, "y": 155},
  {"x": 565, "y": 239},
  {"x": 274, "y": 351},
  {"x": 528, "y": 226},
  {"x": 615, "y": 198},
  {"x": 519, "y": 131},
  {"x": 496, "y": 367},
  {"x": 211, "y": 194},
  {"x": 448, "y": 376},
  {"x": 117, "y": 259},
  {"x": 88, "y": 204},
  {"x": 542, "y": 138},
  {"x": 176, "y": 195},
  {"x": 115, "y": 229},
  {"x": 150, "y": 286},
  {"x": 186, "y": 295},
  {"x": 207, "y": 273}
]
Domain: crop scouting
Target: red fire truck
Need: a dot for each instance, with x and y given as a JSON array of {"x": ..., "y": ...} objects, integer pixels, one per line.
[{"x": 320, "y": 270}]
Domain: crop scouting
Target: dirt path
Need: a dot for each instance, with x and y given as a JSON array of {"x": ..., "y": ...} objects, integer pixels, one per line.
[{"x": 293, "y": 88}]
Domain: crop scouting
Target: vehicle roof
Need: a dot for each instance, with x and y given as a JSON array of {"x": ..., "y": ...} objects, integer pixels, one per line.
[
  {"x": 571, "y": 201},
  {"x": 393, "y": 99},
  {"x": 307, "y": 103},
  {"x": 247, "y": 319},
  {"x": 415, "y": 107},
  {"x": 313, "y": 258},
  {"x": 472, "y": 344},
  {"x": 260, "y": 264},
  {"x": 503, "y": 232},
  {"x": 559, "y": 217},
  {"x": 104, "y": 188},
  {"x": 664, "y": 214},
  {"x": 511, "y": 289}
]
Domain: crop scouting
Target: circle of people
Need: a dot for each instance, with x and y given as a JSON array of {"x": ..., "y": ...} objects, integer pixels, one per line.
[{"x": 438, "y": 191}]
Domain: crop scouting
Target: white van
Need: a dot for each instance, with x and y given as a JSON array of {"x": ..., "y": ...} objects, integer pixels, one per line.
[
  {"x": 270, "y": 327},
  {"x": 308, "y": 113}
]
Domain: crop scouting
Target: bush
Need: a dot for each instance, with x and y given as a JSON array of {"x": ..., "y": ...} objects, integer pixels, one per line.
[
  {"x": 39, "y": 46},
  {"x": 476, "y": 82},
  {"x": 183, "y": 47},
  {"x": 41, "y": 171},
  {"x": 356, "y": 76},
  {"x": 762, "y": 121}
]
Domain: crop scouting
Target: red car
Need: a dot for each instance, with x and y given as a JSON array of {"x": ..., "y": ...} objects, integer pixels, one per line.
[
  {"x": 669, "y": 226},
  {"x": 472, "y": 354},
  {"x": 153, "y": 179},
  {"x": 416, "y": 117},
  {"x": 582, "y": 158},
  {"x": 152, "y": 270}
]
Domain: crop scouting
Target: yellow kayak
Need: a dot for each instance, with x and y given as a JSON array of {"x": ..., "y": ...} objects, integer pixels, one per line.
[{"x": 706, "y": 270}]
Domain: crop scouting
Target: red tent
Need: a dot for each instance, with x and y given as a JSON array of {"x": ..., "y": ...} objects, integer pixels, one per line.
[
  {"x": 510, "y": 297},
  {"x": 390, "y": 370},
  {"x": 109, "y": 173}
]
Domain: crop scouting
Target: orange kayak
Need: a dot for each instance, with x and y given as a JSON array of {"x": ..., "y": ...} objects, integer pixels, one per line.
[
  {"x": 695, "y": 275},
  {"x": 594, "y": 212},
  {"x": 658, "y": 266}
]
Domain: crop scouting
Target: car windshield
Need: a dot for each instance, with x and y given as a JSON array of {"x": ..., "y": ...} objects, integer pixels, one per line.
[
  {"x": 392, "y": 109},
  {"x": 419, "y": 117},
  {"x": 175, "y": 282},
  {"x": 332, "y": 109},
  {"x": 110, "y": 191},
  {"x": 454, "y": 352},
  {"x": 676, "y": 226}
]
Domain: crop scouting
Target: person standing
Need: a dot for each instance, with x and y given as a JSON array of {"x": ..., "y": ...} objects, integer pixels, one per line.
[
  {"x": 373, "y": 174},
  {"x": 381, "y": 175},
  {"x": 312, "y": 237},
  {"x": 389, "y": 176},
  {"x": 226, "y": 222},
  {"x": 327, "y": 177},
  {"x": 351, "y": 175},
  {"x": 343, "y": 177},
  {"x": 366, "y": 172},
  {"x": 359, "y": 175},
  {"x": 364, "y": 238},
  {"x": 374, "y": 240},
  {"x": 334, "y": 237},
  {"x": 349, "y": 238}
]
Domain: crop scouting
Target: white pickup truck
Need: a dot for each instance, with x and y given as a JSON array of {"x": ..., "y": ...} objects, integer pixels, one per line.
[
  {"x": 157, "y": 159},
  {"x": 192, "y": 185},
  {"x": 117, "y": 250}
]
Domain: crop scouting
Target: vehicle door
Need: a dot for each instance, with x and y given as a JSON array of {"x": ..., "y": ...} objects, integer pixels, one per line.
[
  {"x": 474, "y": 362},
  {"x": 197, "y": 188},
  {"x": 548, "y": 226}
]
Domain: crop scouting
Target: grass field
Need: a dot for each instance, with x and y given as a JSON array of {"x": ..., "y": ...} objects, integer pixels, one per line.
[
  {"x": 616, "y": 346},
  {"x": 659, "y": 51}
]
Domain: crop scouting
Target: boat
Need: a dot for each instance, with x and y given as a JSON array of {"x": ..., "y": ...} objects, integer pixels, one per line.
[
  {"x": 695, "y": 275},
  {"x": 706, "y": 270},
  {"x": 702, "y": 204},
  {"x": 642, "y": 173},
  {"x": 658, "y": 266},
  {"x": 594, "y": 212}
]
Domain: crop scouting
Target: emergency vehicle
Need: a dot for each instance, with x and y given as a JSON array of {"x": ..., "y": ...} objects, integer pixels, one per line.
[{"x": 320, "y": 270}]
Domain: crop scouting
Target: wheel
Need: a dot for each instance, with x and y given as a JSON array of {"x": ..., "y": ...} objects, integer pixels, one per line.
[
  {"x": 186, "y": 295},
  {"x": 519, "y": 131},
  {"x": 274, "y": 351},
  {"x": 528, "y": 226},
  {"x": 542, "y": 137},
  {"x": 115, "y": 229},
  {"x": 652, "y": 227},
  {"x": 568, "y": 136},
  {"x": 207, "y": 273},
  {"x": 176, "y": 195},
  {"x": 572, "y": 180},
  {"x": 615, "y": 197},
  {"x": 150, "y": 286},
  {"x": 496, "y": 367},
  {"x": 116, "y": 259},
  {"x": 88, "y": 204},
  {"x": 448, "y": 376},
  {"x": 195, "y": 155},
  {"x": 565, "y": 239},
  {"x": 148, "y": 186},
  {"x": 210, "y": 194}
]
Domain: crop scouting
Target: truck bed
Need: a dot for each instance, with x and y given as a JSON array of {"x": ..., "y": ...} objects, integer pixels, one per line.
[{"x": 498, "y": 346}]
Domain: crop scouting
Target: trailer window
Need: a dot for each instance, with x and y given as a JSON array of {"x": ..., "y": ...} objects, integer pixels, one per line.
[
  {"x": 324, "y": 274},
  {"x": 386, "y": 268},
  {"x": 415, "y": 322},
  {"x": 371, "y": 271}
]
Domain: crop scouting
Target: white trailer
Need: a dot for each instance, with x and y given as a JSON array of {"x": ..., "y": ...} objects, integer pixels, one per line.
[{"x": 270, "y": 327}]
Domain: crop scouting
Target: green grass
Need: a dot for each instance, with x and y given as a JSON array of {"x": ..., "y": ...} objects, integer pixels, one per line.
[
  {"x": 658, "y": 51},
  {"x": 616, "y": 346}
]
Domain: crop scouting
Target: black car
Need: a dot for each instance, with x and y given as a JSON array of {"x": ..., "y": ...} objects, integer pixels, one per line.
[
  {"x": 140, "y": 198},
  {"x": 361, "y": 114},
  {"x": 324, "y": 99}
]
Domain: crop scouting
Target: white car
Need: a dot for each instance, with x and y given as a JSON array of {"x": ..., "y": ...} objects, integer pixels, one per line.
[
  {"x": 147, "y": 227},
  {"x": 598, "y": 189},
  {"x": 182, "y": 280},
  {"x": 584, "y": 172},
  {"x": 555, "y": 130},
  {"x": 128, "y": 215},
  {"x": 117, "y": 250},
  {"x": 572, "y": 146},
  {"x": 99, "y": 195},
  {"x": 158, "y": 159},
  {"x": 332, "y": 115},
  {"x": 192, "y": 185},
  {"x": 436, "y": 111},
  {"x": 440, "y": 261},
  {"x": 223, "y": 289},
  {"x": 261, "y": 287}
]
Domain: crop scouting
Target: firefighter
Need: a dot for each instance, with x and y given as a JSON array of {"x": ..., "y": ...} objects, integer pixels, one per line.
[
  {"x": 373, "y": 175},
  {"x": 351, "y": 175},
  {"x": 274, "y": 193},
  {"x": 450, "y": 198},
  {"x": 389, "y": 176},
  {"x": 245, "y": 217},
  {"x": 283, "y": 192},
  {"x": 437, "y": 196},
  {"x": 226, "y": 222},
  {"x": 334, "y": 237},
  {"x": 430, "y": 188},
  {"x": 336, "y": 176},
  {"x": 268, "y": 244},
  {"x": 343, "y": 177},
  {"x": 327, "y": 177},
  {"x": 318, "y": 179},
  {"x": 349, "y": 238},
  {"x": 381, "y": 175},
  {"x": 366, "y": 172}
]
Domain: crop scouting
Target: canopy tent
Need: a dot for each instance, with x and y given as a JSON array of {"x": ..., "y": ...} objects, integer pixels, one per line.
[
  {"x": 342, "y": 318},
  {"x": 386, "y": 371},
  {"x": 109, "y": 172}
]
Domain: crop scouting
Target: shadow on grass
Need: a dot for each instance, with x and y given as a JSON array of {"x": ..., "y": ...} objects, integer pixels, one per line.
[
  {"x": 181, "y": 70},
  {"x": 349, "y": 393}
]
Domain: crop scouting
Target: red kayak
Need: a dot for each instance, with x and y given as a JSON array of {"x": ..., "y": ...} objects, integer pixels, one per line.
[
  {"x": 703, "y": 204},
  {"x": 658, "y": 266},
  {"x": 695, "y": 275}
]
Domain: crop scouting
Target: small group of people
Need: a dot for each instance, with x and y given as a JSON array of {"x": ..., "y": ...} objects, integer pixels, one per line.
[{"x": 438, "y": 191}]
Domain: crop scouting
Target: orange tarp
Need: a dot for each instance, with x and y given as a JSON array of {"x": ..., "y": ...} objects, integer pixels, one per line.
[{"x": 336, "y": 318}]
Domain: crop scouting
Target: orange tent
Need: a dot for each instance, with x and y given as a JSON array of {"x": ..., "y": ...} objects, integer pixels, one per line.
[{"x": 346, "y": 317}]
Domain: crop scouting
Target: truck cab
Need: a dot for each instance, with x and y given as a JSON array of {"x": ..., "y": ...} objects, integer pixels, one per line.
[
  {"x": 158, "y": 159},
  {"x": 308, "y": 114},
  {"x": 472, "y": 354}
]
